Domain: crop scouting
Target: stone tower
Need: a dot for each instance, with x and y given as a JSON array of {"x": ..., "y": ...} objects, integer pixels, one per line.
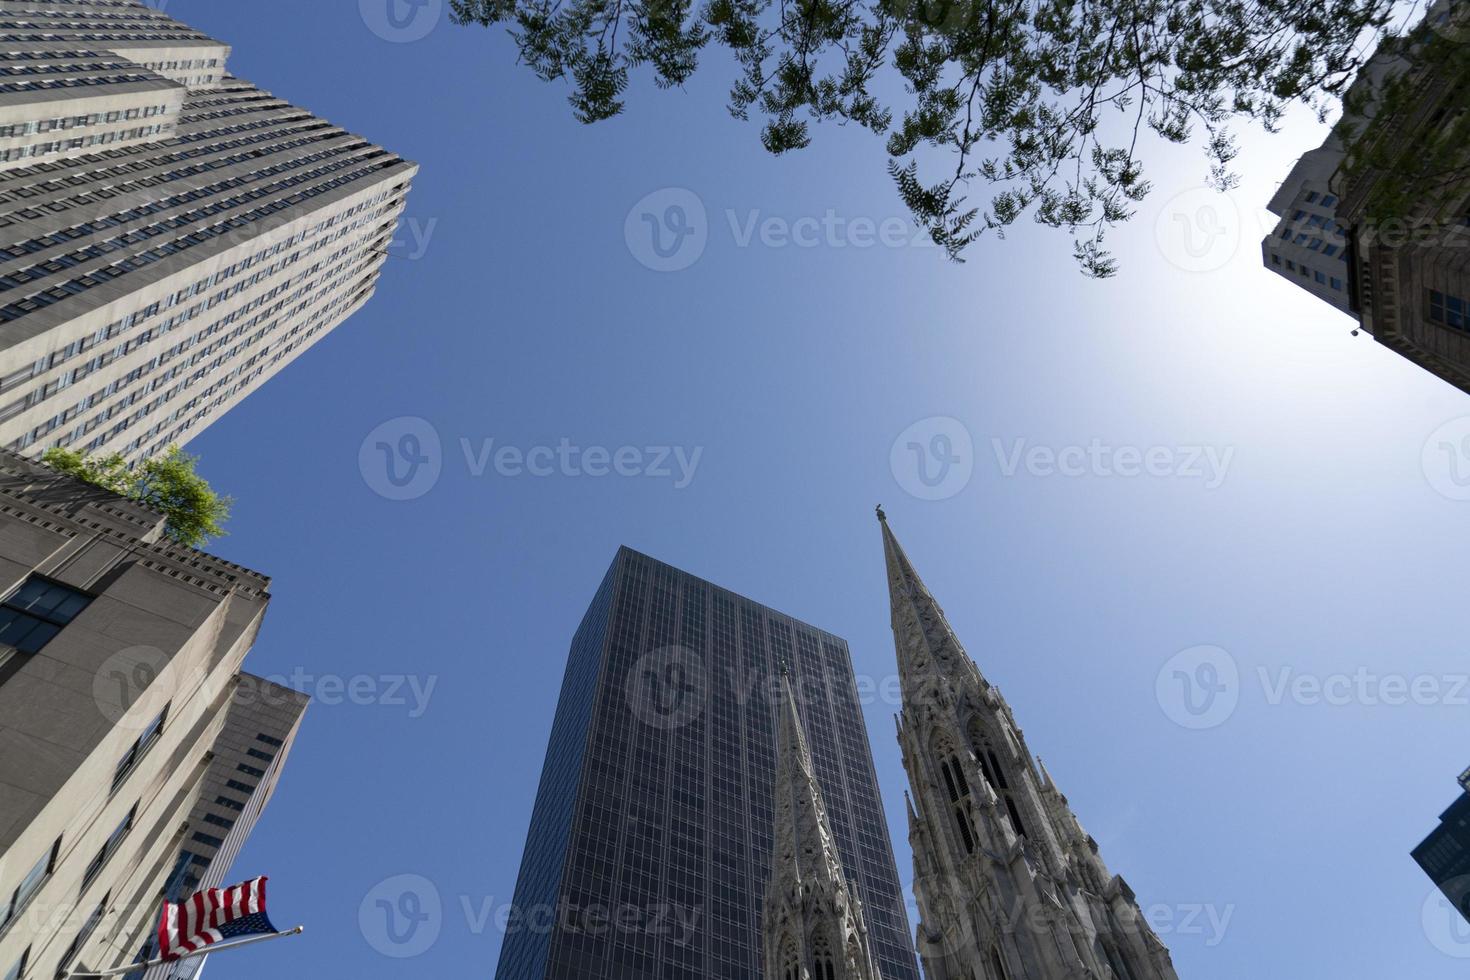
[
  {"x": 813, "y": 921},
  {"x": 1008, "y": 884}
]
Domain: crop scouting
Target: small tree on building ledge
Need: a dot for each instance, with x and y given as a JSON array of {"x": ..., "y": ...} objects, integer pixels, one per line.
[{"x": 193, "y": 512}]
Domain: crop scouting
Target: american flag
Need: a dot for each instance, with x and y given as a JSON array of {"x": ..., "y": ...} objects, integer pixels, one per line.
[{"x": 210, "y": 916}]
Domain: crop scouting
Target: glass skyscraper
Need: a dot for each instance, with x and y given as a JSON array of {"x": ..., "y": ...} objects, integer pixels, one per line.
[{"x": 650, "y": 840}]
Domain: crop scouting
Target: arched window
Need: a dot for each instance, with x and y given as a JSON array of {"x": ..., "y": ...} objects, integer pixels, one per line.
[
  {"x": 998, "y": 965},
  {"x": 824, "y": 967},
  {"x": 995, "y": 775},
  {"x": 790, "y": 961},
  {"x": 959, "y": 791}
]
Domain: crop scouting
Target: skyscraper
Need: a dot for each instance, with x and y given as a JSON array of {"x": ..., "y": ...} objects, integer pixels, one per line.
[
  {"x": 247, "y": 760},
  {"x": 650, "y": 844},
  {"x": 1406, "y": 279},
  {"x": 119, "y": 660},
  {"x": 170, "y": 236},
  {"x": 1445, "y": 853},
  {"x": 1008, "y": 884}
]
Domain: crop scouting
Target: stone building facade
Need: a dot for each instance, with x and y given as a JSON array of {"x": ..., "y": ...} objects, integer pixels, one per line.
[
  {"x": 120, "y": 657},
  {"x": 1008, "y": 884}
]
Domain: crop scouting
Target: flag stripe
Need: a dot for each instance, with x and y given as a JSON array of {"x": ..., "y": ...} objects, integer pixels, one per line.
[{"x": 201, "y": 919}]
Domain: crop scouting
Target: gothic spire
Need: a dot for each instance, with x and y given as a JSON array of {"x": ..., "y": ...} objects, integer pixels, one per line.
[
  {"x": 927, "y": 646},
  {"x": 803, "y": 840}
]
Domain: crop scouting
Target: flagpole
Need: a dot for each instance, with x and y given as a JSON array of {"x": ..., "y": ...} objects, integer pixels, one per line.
[{"x": 220, "y": 948}]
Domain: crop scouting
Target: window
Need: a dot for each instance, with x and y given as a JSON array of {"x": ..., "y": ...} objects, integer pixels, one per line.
[
  {"x": 823, "y": 967},
  {"x": 29, "y": 885},
  {"x": 268, "y": 740},
  {"x": 34, "y": 613},
  {"x": 1336, "y": 283},
  {"x": 1320, "y": 277},
  {"x": 20, "y": 966},
  {"x": 1448, "y": 310},
  {"x": 1330, "y": 251},
  {"x": 1275, "y": 259},
  {"x": 208, "y": 840},
  {"x": 136, "y": 751},
  {"x": 228, "y": 803},
  {"x": 1313, "y": 197},
  {"x": 1328, "y": 200},
  {"x": 1290, "y": 265},
  {"x": 257, "y": 754},
  {"x": 959, "y": 792},
  {"x": 210, "y": 818},
  {"x": 87, "y": 929},
  {"x": 250, "y": 770},
  {"x": 109, "y": 848}
]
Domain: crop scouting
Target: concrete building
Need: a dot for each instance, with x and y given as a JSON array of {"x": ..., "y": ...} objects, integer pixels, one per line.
[
  {"x": 75, "y": 76},
  {"x": 1405, "y": 279},
  {"x": 248, "y": 758},
  {"x": 1445, "y": 853},
  {"x": 651, "y": 839},
  {"x": 119, "y": 661},
  {"x": 1008, "y": 884},
  {"x": 189, "y": 237},
  {"x": 813, "y": 918}
]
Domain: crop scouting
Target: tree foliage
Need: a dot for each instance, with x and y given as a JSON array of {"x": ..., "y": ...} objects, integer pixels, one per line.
[
  {"x": 1042, "y": 101},
  {"x": 193, "y": 512}
]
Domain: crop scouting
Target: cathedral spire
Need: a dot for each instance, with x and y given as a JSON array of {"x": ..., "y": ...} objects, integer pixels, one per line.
[
  {"x": 803, "y": 838},
  {"x": 813, "y": 920},
  {"x": 933, "y": 651}
]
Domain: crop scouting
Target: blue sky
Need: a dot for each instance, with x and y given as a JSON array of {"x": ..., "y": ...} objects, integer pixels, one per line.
[{"x": 1300, "y": 516}]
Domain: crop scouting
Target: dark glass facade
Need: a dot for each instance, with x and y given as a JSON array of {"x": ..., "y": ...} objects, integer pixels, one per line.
[
  {"x": 649, "y": 847},
  {"x": 1445, "y": 853}
]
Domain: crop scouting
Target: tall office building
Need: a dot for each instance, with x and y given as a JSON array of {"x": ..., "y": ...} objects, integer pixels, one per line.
[
  {"x": 1008, "y": 884},
  {"x": 170, "y": 236},
  {"x": 248, "y": 757},
  {"x": 1406, "y": 280},
  {"x": 650, "y": 845},
  {"x": 1445, "y": 854},
  {"x": 119, "y": 662}
]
